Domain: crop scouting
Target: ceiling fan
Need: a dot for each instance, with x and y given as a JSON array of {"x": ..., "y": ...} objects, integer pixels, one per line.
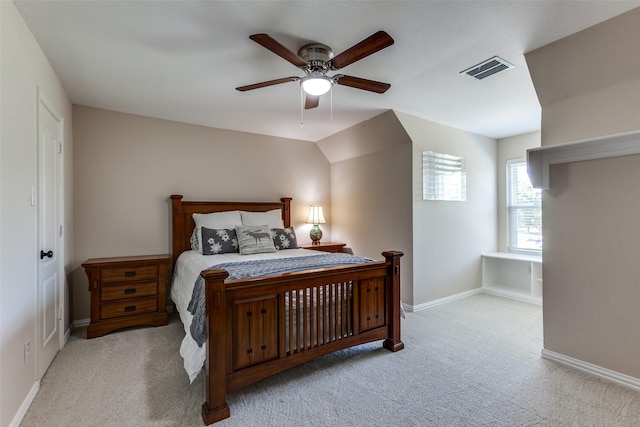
[{"x": 317, "y": 59}]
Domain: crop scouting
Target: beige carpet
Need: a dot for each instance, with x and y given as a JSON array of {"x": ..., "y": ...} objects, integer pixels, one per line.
[{"x": 470, "y": 362}]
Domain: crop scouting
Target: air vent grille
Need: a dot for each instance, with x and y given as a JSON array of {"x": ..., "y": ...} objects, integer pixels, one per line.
[{"x": 487, "y": 68}]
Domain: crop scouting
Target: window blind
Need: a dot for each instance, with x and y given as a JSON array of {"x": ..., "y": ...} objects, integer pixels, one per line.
[
  {"x": 443, "y": 177},
  {"x": 524, "y": 209}
]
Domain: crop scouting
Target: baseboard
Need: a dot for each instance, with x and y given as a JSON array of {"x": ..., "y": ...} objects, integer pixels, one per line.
[
  {"x": 22, "y": 411},
  {"x": 414, "y": 308},
  {"x": 512, "y": 295},
  {"x": 598, "y": 371},
  {"x": 67, "y": 335},
  {"x": 80, "y": 323}
]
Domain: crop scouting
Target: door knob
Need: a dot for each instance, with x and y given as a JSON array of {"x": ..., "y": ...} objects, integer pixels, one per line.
[{"x": 46, "y": 254}]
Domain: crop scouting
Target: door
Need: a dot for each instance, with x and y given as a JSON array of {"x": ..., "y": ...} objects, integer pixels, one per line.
[{"x": 49, "y": 148}]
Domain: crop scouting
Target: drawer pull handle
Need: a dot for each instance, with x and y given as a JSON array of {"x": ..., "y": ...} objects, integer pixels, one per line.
[
  {"x": 130, "y": 291},
  {"x": 130, "y": 308},
  {"x": 130, "y": 274}
]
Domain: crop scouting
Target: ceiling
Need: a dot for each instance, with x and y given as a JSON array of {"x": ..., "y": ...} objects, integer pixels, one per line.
[{"x": 181, "y": 60}]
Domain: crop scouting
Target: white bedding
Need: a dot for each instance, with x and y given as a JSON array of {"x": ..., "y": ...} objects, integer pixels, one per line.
[{"x": 187, "y": 269}]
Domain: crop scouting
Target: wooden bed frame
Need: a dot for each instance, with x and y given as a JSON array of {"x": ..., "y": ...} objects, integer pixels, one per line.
[{"x": 253, "y": 333}]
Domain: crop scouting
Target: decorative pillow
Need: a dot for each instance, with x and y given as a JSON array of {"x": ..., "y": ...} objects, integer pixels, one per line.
[
  {"x": 214, "y": 221},
  {"x": 271, "y": 218},
  {"x": 219, "y": 241},
  {"x": 284, "y": 238},
  {"x": 255, "y": 239}
]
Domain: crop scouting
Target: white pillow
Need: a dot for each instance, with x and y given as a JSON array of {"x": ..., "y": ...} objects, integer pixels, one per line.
[
  {"x": 271, "y": 218},
  {"x": 228, "y": 220}
]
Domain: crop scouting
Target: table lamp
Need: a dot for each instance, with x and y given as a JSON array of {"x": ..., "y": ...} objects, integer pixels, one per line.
[{"x": 315, "y": 217}]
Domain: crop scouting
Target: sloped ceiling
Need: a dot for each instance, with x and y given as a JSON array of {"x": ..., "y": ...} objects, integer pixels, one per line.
[{"x": 181, "y": 60}]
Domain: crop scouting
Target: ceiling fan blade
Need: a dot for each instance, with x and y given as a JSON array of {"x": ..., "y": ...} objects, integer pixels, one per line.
[
  {"x": 359, "y": 83},
  {"x": 366, "y": 47},
  {"x": 267, "y": 83},
  {"x": 311, "y": 101},
  {"x": 274, "y": 46}
]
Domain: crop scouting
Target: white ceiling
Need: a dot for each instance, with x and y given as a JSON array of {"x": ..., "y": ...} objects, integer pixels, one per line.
[{"x": 181, "y": 60}]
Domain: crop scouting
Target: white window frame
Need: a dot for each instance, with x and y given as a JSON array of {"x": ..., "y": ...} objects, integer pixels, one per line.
[
  {"x": 516, "y": 207},
  {"x": 444, "y": 177}
]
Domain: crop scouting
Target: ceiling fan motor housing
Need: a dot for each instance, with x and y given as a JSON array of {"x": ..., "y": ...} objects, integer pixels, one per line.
[{"x": 316, "y": 55}]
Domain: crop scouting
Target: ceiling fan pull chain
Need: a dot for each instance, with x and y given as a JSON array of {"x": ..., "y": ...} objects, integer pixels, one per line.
[
  {"x": 301, "y": 108},
  {"x": 331, "y": 102}
]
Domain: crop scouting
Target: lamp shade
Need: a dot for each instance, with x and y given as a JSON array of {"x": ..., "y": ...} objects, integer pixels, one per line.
[
  {"x": 315, "y": 215},
  {"x": 316, "y": 84}
]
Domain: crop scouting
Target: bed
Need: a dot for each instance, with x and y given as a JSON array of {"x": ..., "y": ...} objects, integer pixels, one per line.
[{"x": 255, "y": 327}]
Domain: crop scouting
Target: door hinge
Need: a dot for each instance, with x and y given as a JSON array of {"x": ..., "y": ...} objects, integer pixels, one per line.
[
  {"x": 59, "y": 313},
  {"x": 59, "y": 231},
  {"x": 59, "y": 147}
]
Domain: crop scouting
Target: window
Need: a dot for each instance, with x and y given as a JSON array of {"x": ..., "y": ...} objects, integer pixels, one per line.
[
  {"x": 524, "y": 209},
  {"x": 443, "y": 177}
]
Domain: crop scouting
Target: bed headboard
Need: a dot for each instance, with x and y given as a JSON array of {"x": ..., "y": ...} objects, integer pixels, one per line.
[{"x": 182, "y": 219}]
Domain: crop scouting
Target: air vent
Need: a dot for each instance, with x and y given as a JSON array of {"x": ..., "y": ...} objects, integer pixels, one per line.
[{"x": 487, "y": 68}]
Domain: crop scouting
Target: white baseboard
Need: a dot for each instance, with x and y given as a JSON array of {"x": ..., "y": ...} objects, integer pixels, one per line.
[
  {"x": 598, "y": 371},
  {"x": 512, "y": 295},
  {"x": 22, "y": 411},
  {"x": 414, "y": 308}
]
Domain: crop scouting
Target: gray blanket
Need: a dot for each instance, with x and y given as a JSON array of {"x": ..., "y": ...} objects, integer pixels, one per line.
[{"x": 242, "y": 270}]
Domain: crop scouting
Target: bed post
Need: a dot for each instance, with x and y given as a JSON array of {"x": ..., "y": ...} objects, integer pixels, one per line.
[
  {"x": 286, "y": 211},
  {"x": 178, "y": 230},
  {"x": 393, "y": 341},
  {"x": 215, "y": 407}
]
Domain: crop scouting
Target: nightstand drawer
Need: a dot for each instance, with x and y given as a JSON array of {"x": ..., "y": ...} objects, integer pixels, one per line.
[
  {"x": 125, "y": 291},
  {"x": 128, "y": 308},
  {"x": 128, "y": 274}
]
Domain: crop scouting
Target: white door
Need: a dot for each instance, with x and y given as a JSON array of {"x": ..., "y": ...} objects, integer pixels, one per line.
[{"x": 49, "y": 147}]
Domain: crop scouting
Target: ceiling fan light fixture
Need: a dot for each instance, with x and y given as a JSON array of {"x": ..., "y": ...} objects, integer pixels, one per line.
[{"x": 316, "y": 84}]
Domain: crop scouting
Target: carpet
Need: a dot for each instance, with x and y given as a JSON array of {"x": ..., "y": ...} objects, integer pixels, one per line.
[{"x": 470, "y": 362}]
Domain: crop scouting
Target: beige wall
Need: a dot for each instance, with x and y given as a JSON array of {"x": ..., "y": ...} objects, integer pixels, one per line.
[
  {"x": 371, "y": 191},
  {"x": 375, "y": 135},
  {"x": 514, "y": 147},
  {"x": 591, "y": 268},
  {"x": 589, "y": 86},
  {"x": 449, "y": 237},
  {"x": 23, "y": 71},
  {"x": 589, "y": 83},
  {"x": 127, "y": 166},
  {"x": 376, "y": 193}
]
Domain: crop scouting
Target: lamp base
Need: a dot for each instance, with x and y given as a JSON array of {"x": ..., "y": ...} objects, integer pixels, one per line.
[{"x": 315, "y": 234}]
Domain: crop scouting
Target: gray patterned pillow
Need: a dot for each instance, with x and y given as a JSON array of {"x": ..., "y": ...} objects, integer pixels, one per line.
[
  {"x": 219, "y": 241},
  {"x": 255, "y": 239},
  {"x": 284, "y": 238}
]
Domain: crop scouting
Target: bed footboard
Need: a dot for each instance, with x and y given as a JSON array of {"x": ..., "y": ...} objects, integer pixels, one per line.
[{"x": 259, "y": 327}]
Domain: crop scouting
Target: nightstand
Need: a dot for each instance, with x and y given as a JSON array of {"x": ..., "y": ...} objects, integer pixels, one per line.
[
  {"x": 127, "y": 291},
  {"x": 325, "y": 247}
]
